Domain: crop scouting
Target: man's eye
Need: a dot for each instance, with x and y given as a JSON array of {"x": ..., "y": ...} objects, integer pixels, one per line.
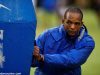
[
  {"x": 69, "y": 22},
  {"x": 77, "y": 23}
]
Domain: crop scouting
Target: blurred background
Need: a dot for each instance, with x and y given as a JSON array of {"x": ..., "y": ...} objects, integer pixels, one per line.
[{"x": 50, "y": 13}]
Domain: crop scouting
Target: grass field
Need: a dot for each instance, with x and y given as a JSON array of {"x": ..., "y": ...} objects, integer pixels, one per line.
[{"x": 92, "y": 66}]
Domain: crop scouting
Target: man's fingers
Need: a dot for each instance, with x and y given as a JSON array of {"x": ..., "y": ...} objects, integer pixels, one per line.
[
  {"x": 36, "y": 48},
  {"x": 36, "y": 51}
]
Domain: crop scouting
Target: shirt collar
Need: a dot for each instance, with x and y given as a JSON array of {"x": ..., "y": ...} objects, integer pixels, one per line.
[{"x": 61, "y": 32}]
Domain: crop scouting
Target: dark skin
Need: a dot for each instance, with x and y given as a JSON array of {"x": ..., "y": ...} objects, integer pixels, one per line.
[
  {"x": 72, "y": 23},
  {"x": 36, "y": 53}
]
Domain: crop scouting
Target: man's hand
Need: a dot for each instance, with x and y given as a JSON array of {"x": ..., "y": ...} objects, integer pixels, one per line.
[{"x": 37, "y": 55}]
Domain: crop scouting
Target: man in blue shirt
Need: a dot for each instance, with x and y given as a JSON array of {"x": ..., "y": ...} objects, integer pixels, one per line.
[{"x": 62, "y": 50}]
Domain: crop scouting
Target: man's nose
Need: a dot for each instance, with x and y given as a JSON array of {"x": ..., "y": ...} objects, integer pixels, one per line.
[{"x": 72, "y": 26}]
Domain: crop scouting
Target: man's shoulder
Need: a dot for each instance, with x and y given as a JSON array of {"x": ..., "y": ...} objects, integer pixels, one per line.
[
  {"x": 49, "y": 31},
  {"x": 54, "y": 32},
  {"x": 88, "y": 41},
  {"x": 88, "y": 38},
  {"x": 53, "y": 29}
]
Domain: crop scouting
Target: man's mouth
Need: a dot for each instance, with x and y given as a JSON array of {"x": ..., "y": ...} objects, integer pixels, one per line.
[{"x": 72, "y": 33}]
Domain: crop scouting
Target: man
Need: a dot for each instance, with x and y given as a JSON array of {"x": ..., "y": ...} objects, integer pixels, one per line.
[{"x": 62, "y": 50}]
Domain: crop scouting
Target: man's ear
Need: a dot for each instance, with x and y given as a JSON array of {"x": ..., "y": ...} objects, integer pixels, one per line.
[{"x": 62, "y": 21}]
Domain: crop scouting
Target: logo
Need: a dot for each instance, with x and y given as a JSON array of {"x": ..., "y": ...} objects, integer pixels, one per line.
[
  {"x": 2, "y": 58},
  {"x": 2, "y": 6}
]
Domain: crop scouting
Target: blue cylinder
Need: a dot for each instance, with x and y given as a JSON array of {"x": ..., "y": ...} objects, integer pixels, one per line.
[{"x": 17, "y": 34}]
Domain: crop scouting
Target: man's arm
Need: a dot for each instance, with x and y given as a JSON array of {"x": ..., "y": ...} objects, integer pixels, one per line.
[
  {"x": 38, "y": 58},
  {"x": 71, "y": 59}
]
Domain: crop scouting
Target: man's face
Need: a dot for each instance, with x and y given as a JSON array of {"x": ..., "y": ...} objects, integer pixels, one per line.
[{"x": 72, "y": 23}]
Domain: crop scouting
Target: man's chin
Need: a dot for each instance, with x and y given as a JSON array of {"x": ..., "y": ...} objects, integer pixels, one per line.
[{"x": 72, "y": 35}]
